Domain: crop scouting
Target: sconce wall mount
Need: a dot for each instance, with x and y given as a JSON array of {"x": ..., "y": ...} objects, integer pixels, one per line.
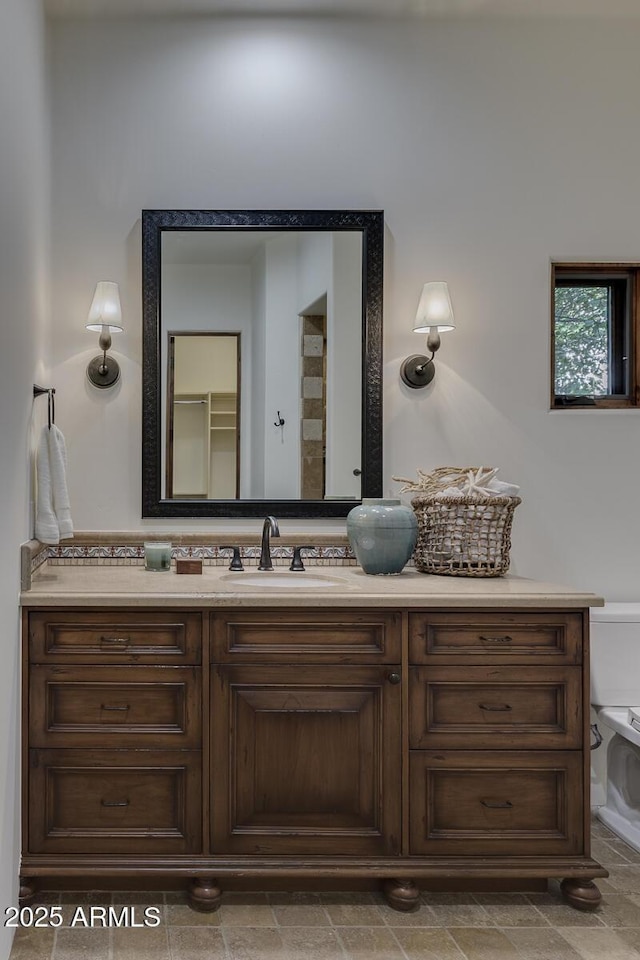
[
  {"x": 105, "y": 317},
  {"x": 433, "y": 317}
]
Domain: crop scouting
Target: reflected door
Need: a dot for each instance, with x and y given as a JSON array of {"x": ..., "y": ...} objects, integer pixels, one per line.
[{"x": 203, "y": 427}]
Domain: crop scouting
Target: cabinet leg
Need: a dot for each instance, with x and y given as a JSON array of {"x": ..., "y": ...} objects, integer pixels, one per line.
[
  {"x": 401, "y": 894},
  {"x": 581, "y": 894},
  {"x": 204, "y": 894},
  {"x": 28, "y": 888}
]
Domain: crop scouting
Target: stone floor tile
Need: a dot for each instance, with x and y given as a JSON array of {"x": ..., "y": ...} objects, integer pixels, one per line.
[
  {"x": 196, "y": 943},
  {"x": 534, "y": 943},
  {"x": 420, "y": 916},
  {"x": 370, "y": 943},
  {"x": 181, "y": 915},
  {"x": 481, "y": 944},
  {"x": 630, "y": 936},
  {"x": 457, "y": 910},
  {"x": 618, "y": 910},
  {"x": 316, "y": 943},
  {"x": 511, "y": 910},
  {"x": 354, "y": 914},
  {"x": 624, "y": 879},
  {"x": 81, "y": 944},
  {"x": 150, "y": 943},
  {"x": 599, "y": 944},
  {"x": 253, "y": 943},
  {"x": 245, "y": 915},
  {"x": 420, "y": 943},
  {"x": 33, "y": 943},
  {"x": 301, "y": 915},
  {"x": 606, "y": 851},
  {"x": 560, "y": 914}
]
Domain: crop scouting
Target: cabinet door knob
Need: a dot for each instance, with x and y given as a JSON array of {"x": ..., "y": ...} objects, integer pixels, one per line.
[{"x": 394, "y": 678}]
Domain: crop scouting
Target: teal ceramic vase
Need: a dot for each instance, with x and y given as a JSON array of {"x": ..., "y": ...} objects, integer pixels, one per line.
[{"x": 382, "y": 534}]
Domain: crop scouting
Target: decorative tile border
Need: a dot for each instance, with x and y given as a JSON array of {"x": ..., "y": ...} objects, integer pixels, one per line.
[{"x": 114, "y": 553}]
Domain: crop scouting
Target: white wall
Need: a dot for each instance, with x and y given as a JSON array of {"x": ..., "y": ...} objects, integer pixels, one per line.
[
  {"x": 492, "y": 147},
  {"x": 24, "y": 223}
]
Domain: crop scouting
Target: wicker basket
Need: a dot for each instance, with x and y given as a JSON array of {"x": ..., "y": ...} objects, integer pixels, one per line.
[{"x": 464, "y": 536}]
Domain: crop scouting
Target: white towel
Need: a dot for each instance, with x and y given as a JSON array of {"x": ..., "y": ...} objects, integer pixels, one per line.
[
  {"x": 58, "y": 466},
  {"x": 53, "y": 512}
]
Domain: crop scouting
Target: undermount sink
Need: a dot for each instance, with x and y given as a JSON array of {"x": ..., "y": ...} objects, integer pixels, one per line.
[{"x": 280, "y": 578}]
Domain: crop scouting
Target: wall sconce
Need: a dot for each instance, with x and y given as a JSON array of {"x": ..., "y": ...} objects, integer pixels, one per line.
[
  {"x": 433, "y": 317},
  {"x": 105, "y": 316}
]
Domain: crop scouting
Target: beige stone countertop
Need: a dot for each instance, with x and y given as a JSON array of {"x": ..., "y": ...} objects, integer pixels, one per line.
[{"x": 326, "y": 586}]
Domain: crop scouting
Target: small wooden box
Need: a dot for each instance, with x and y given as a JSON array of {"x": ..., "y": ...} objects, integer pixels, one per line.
[{"x": 188, "y": 565}]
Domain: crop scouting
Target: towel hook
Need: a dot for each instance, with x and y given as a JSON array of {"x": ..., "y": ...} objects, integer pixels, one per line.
[
  {"x": 51, "y": 403},
  {"x": 279, "y": 422}
]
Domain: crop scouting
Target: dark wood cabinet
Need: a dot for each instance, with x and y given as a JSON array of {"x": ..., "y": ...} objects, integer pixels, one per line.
[
  {"x": 307, "y": 760},
  {"x": 335, "y": 743}
]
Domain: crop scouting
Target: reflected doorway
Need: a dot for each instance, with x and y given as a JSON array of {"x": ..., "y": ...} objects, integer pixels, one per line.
[{"x": 203, "y": 424}]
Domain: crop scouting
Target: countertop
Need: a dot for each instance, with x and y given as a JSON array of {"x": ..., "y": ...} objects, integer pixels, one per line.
[{"x": 318, "y": 586}]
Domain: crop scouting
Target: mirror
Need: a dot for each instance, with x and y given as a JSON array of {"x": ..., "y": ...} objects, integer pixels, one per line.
[{"x": 262, "y": 362}]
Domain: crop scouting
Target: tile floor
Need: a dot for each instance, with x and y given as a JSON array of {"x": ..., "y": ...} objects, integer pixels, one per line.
[{"x": 358, "y": 926}]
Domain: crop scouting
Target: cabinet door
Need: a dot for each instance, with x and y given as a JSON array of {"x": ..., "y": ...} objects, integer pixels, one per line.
[{"x": 306, "y": 760}]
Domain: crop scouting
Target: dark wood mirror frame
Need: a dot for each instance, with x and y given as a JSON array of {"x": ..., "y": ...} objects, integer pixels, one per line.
[{"x": 371, "y": 224}]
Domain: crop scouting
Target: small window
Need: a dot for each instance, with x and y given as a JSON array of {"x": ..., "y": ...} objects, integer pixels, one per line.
[{"x": 594, "y": 317}]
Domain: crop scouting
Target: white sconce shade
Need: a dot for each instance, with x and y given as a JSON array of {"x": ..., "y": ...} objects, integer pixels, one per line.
[
  {"x": 433, "y": 317},
  {"x": 434, "y": 309},
  {"x": 105, "y": 317},
  {"x": 105, "y": 308}
]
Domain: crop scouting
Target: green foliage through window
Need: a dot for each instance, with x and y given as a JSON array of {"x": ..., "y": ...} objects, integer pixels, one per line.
[{"x": 582, "y": 336}]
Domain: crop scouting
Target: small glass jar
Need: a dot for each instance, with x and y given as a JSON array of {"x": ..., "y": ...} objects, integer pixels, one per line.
[{"x": 157, "y": 556}]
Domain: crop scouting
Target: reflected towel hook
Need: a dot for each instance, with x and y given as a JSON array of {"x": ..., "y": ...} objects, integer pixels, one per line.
[
  {"x": 51, "y": 403},
  {"x": 279, "y": 422}
]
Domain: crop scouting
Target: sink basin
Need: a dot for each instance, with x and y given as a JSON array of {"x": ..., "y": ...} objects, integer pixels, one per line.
[{"x": 281, "y": 578}]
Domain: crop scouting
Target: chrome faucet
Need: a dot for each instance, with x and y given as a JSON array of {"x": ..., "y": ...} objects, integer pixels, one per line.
[{"x": 269, "y": 529}]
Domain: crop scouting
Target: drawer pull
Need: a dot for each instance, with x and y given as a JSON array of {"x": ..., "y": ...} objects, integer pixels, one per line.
[
  {"x": 114, "y": 803},
  {"x": 495, "y": 707},
  {"x": 505, "y": 639},
  {"x": 106, "y": 706},
  {"x": 114, "y": 641},
  {"x": 497, "y": 804}
]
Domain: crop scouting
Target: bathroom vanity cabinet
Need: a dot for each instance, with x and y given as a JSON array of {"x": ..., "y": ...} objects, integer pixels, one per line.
[{"x": 403, "y": 742}]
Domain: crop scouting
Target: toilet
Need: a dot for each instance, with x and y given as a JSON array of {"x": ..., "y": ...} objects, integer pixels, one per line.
[{"x": 615, "y": 698}]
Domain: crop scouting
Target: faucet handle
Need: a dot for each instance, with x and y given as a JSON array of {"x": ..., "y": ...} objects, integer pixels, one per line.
[
  {"x": 296, "y": 563},
  {"x": 236, "y": 562}
]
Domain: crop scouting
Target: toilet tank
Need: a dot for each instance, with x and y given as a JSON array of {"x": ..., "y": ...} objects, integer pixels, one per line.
[{"x": 615, "y": 655}]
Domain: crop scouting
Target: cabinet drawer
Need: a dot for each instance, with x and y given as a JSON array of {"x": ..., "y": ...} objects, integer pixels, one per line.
[
  {"x": 128, "y": 636},
  {"x": 127, "y": 706},
  {"x": 145, "y": 802},
  {"x": 306, "y": 637},
  {"x": 495, "y": 707},
  {"x": 490, "y": 803},
  {"x": 482, "y": 638}
]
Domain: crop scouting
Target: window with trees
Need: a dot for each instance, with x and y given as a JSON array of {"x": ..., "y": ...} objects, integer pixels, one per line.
[{"x": 594, "y": 338}]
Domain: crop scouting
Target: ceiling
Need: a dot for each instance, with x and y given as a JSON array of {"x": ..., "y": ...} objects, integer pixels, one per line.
[{"x": 378, "y": 8}]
